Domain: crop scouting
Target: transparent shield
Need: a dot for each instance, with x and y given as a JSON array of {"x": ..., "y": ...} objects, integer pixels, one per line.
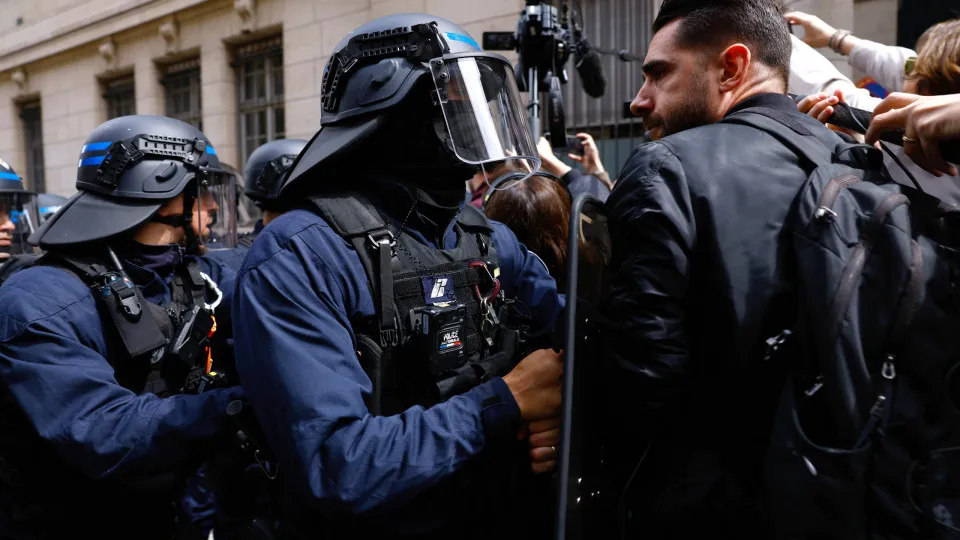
[
  {"x": 216, "y": 210},
  {"x": 248, "y": 213},
  {"x": 580, "y": 475},
  {"x": 19, "y": 218},
  {"x": 486, "y": 121}
]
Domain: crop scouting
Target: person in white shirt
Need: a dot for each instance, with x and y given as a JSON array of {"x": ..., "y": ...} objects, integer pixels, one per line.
[
  {"x": 936, "y": 72},
  {"x": 886, "y": 64}
]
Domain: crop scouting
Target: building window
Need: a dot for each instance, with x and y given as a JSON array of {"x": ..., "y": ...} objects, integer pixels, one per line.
[
  {"x": 33, "y": 144},
  {"x": 260, "y": 73},
  {"x": 120, "y": 97},
  {"x": 181, "y": 84}
]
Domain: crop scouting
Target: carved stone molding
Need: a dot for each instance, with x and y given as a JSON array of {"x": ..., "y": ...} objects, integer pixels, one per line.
[
  {"x": 170, "y": 32},
  {"x": 19, "y": 77},
  {"x": 247, "y": 10},
  {"x": 108, "y": 51}
]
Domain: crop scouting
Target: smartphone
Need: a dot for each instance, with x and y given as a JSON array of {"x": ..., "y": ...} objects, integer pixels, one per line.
[{"x": 573, "y": 145}]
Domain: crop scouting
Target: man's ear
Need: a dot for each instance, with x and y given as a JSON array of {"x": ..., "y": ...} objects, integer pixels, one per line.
[{"x": 735, "y": 64}]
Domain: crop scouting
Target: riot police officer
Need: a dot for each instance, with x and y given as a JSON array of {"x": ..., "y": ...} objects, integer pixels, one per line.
[
  {"x": 379, "y": 325},
  {"x": 263, "y": 177},
  {"x": 106, "y": 402},
  {"x": 18, "y": 218}
]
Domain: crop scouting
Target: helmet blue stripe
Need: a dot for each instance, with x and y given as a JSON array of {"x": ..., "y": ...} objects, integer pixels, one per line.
[
  {"x": 95, "y": 146},
  {"x": 462, "y": 39},
  {"x": 210, "y": 150},
  {"x": 9, "y": 176},
  {"x": 95, "y": 160}
]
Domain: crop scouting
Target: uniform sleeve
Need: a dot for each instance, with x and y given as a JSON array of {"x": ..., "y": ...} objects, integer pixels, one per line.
[
  {"x": 55, "y": 370},
  {"x": 885, "y": 63},
  {"x": 524, "y": 277},
  {"x": 653, "y": 234},
  {"x": 298, "y": 362}
]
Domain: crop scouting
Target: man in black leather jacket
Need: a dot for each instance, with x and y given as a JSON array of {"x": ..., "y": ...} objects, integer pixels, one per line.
[{"x": 698, "y": 280}]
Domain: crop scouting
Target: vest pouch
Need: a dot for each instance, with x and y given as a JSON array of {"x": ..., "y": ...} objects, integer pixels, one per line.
[
  {"x": 139, "y": 333},
  {"x": 813, "y": 488},
  {"x": 186, "y": 350},
  {"x": 371, "y": 360},
  {"x": 933, "y": 485}
]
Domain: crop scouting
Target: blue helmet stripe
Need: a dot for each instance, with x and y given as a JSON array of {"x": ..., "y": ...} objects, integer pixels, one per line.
[
  {"x": 95, "y": 147},
  {"x": 95, "y": 160},
  {"x": 462, "y": 39},
  {"x": 9, "y": 176},
  {"x": 210, "y": 150}
]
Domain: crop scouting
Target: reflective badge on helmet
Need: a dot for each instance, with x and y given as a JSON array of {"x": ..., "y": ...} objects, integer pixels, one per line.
[
  {"x": 449, "y": 339},
  {"x": 438, "y": 290}
]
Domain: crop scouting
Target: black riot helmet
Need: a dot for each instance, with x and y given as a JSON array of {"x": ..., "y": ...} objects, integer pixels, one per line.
[
  {"x": 19, "y": 215},
  {"x": 129, "y": 168},
  {"x": 382, "y": 66},
  {"x": 267, "y": 168}
]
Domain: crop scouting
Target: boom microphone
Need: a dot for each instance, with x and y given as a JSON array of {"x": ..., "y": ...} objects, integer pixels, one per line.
[{"x": 590, "y": 69}]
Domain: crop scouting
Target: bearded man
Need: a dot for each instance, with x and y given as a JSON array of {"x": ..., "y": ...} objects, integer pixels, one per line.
[{"x": 699, "y": 280}]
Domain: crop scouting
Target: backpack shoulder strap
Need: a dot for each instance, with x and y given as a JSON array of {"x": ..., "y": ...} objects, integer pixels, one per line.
[
  {"x": 357, "y": 221},
  {"x": 797, "y": 137}
]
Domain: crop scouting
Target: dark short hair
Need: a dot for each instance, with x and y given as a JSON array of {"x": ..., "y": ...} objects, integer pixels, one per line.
[{"x": 759, "y": 24}]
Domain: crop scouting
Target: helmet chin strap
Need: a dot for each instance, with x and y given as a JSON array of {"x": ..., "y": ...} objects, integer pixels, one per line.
[{"x": 184, "y": 221}]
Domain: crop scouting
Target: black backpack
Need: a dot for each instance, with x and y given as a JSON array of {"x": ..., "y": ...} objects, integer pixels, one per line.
[{"x": 866, "y": 438}]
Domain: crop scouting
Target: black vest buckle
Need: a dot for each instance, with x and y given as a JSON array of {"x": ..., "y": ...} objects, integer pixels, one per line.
[
  {"x": 128, "y": 303},
  {"x": 382, "y": 238}
]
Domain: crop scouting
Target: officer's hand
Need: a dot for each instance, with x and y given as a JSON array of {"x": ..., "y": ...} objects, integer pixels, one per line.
[
  {"x": 536, "y": 383},
  {"x": 544, "y": 438}
]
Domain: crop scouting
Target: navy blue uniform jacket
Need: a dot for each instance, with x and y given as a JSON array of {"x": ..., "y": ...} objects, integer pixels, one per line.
[
  {"x": 300, "y": 287},
  {"x": 103, "y": 437}
]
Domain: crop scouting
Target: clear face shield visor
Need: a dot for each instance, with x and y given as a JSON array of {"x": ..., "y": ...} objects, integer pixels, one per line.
[
  {"x": 19, "y": 218},
  {"x": 485, "y": 117},
  {"x": 215, "y": 210}
]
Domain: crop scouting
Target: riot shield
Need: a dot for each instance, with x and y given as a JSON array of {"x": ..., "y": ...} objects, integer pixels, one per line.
[{"x": 580, "y": 446}]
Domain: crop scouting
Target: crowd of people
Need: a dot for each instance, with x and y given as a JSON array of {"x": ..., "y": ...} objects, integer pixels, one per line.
[{"x": 381, "y": 358}]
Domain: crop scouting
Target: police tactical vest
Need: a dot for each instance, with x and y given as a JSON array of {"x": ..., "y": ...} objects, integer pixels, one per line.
[
  {"x": 153, "y": 349},
  {"x": 438, "y": 329},
  {"x": 246, "y": 239},
  {"x": 162, "y": 346}
]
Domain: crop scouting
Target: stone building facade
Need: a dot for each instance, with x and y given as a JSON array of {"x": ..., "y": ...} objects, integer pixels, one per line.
[{"x": 246, "y": 71}]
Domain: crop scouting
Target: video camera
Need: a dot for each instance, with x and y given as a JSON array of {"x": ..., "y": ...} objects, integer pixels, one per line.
[{"x": 545, "y": 41}]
